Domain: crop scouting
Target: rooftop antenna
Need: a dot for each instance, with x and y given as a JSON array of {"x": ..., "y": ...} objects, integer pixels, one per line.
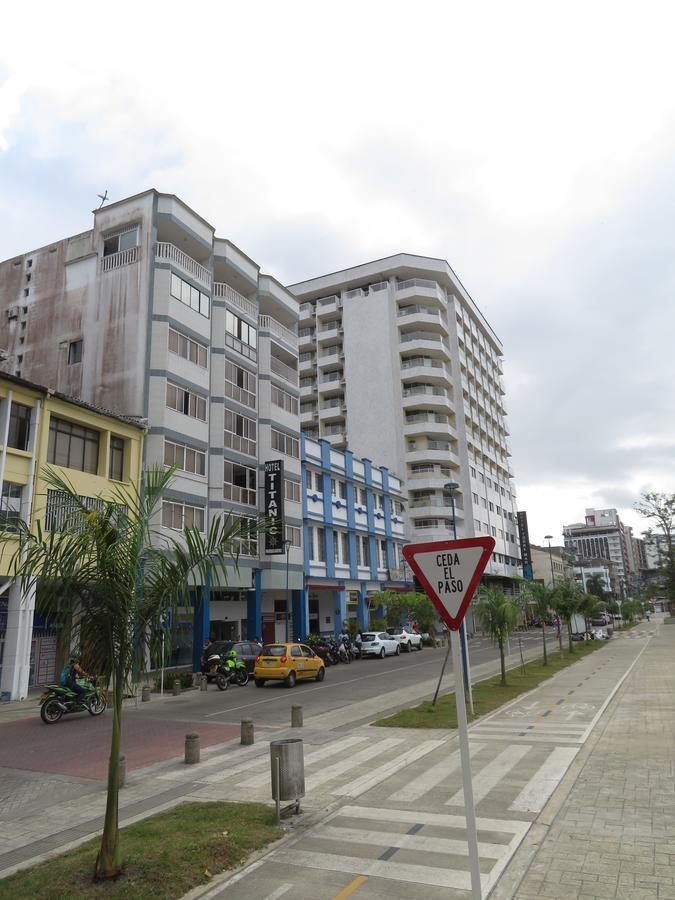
[{"x": 103, "y": 197}]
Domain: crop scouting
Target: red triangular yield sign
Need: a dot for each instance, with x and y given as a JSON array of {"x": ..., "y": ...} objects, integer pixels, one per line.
[{"x": 449, "y": 572}]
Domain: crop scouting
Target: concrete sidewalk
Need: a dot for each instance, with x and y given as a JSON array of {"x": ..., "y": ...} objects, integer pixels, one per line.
[{"x": 609, "y": 830}]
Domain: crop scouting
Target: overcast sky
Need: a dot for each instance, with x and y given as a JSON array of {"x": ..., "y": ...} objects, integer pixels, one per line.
[{"x": 532, "y": 145}]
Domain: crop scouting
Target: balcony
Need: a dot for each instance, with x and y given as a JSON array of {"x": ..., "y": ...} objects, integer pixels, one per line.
[
  {"x": 425, "y": 367},
  {"x": 422, "y": 315},
  {"x": 306, "y": 312},
  {"x": 283, "y": 371},
  {"x": 120, "y": 259},
  {"x": 424, "y": 340},
  {"x": 421, "y": 288},
  {"x": 424, "y": 396},
  {"x": 333, "y": 409},
  {"x": 171, "y": 254},
  {"x": 267, "y": 323},
  {"x": 308, "y": 389},
  {"x": 431, "y": 476},
  {"x": 427, "y": 424},
  {"x": 331, "y": 383},
  {"x": 233, "y": 298},
  {"x": 329, "y": 331},
  {"x": 307, "y": 363},
  {"x": 330, "y": 356},
  {"x": 434, "y": 452},
  {"x": 328, "y": 305}
]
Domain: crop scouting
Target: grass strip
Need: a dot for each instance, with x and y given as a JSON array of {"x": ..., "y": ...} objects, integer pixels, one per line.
[
  {"x": 490, "y": 694},
  {"x": 165, "y": 855}
]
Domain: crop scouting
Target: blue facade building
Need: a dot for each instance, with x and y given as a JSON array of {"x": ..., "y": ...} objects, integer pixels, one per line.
[{"x": 353, "y": 534}]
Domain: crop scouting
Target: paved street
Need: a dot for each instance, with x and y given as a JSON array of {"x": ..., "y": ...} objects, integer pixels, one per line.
[{"x": 384, "y": 807}]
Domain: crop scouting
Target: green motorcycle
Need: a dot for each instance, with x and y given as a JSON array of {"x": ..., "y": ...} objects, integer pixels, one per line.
[
  {"x": 58, "y": 701},
  {"x": 232, "y": 669}
]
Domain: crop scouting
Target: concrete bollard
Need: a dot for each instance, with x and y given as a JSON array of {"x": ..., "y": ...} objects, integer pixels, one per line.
[
  {"x": 176, "y": 687},
  {"x": 296, "y": 717},
  {"x": 247, "y": 733},
  {"x": 145, "y": 695},
  {"x": 122, "y": 771},
  {"x": 203, "y": 683},
  {"x": 191, "y": 749}
]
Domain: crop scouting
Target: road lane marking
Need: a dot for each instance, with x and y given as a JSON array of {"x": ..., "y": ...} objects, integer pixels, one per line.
[
  {"x": 445, "y": 820},
  {"x": 370, "y": 779},
  {"x": 280, "y": 891},
  {"x": 419, "y": 842},
  {"x": 351, "y": 887},
  {"x": 539, "y": 788},
  {"x": 490, "y": 776},
  {"x": 432, "y": 777}
]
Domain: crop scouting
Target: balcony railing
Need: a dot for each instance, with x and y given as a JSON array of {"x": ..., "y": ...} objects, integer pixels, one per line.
[
  {"x": 417, "y": 310},
  {"x": 172, "y": 254},
  {"x": 325, "y": 301},
  {"x": 280, "y": 368},
  {"x": 118, "y": 260},
  {"x": 430, "y": 336},
  {"x": 267, "y": 323},
  {"x": 224, "y": 292},
  {"x": 424, "y": 389}
]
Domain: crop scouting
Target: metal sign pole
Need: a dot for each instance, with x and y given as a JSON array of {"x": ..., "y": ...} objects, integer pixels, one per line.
[
  {"x": 161, "y": 681},
  {"x": 467, "y": 670},
  {"x": 469, "y": 809}
]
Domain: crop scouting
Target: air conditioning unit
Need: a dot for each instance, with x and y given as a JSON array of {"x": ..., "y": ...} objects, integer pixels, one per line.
[{"x": 13, "y": 312}]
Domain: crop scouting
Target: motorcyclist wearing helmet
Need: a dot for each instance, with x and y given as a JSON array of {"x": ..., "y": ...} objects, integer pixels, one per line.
[{"x": 71, "y": 682}]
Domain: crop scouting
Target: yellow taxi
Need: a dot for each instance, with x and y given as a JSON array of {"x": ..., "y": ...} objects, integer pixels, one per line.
[{"x": 287, "y": 663}]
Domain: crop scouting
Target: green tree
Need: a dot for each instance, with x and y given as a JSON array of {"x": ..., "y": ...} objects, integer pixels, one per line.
[
  {"x": 660, "y": 508},
  {"x": 595, "y": 584},
  {"x": 589, "y": 606},
  {"x": 498, "y": 616},
  {"x": 567, "y": 602},
  {"x": 540, "y": 600},
  {"x": 112, "y": 567},
  {"x": 416, "y": 606}
]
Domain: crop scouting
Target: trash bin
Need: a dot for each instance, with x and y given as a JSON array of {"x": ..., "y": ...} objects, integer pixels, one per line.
[{"x": 291, "y": 758}]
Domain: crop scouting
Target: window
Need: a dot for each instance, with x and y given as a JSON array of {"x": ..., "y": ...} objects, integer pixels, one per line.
[
  {"x": 246, "y": 544},
  {"x": 494, "y": 531},
  {"x": 240, "y": 384},
  {"x": 319, "y": 482},
  {"x": 186, "y": 402},
  {"x": 317, "y": 547},
  {"x": 185, "y": 347},
  {"x": 492, "y": 506},
  {"x": 476, "y": 525},
  {"x": 116, "y": 467},
  {"x": 74, "y": 352},
  {"x": 363, "y": 497},
  {"x": 294, "y": 535},
  {"x": 19, "y": 426},
  {"x": 10, "y": 506},
  {"x": 473, "y": 471},
  {"x": 240, "y": 483},
  {"x": 382, "y": 554},
  {"x": 292, "y": 490},
  {"x": 338, "y": 488},
  {"x": 285, "y": 444},
  {"x": 123, "y": 240},
  {"x": 240, "y": 336},
  {"x": 362, "y": 550},
  {"x": 475, "y": 498},
  {"x": 378, "y": 502},
  {"x": 190, "y": 296},
  {"x": 341, "y": 548},
  {"x": 184, "y": 458},
  {"x": 181, "y": 515},
  {"x": 284, "y": 400},
  {"x": 240, "y": 433},
  {"x": 72, "y": 446}
]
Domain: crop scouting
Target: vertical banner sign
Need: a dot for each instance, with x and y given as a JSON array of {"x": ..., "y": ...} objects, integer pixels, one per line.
[
  {"x": 274, "y": 506},
  {"x": 525, "y": 551}
]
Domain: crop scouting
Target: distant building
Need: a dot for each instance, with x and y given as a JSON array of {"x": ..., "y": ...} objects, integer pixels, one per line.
[
  {"x": 549, "y": 568},
  {"x": 605, "y": 569},
  {"x": 96, "y": 451},
  {"x": 603, "y": 535}
]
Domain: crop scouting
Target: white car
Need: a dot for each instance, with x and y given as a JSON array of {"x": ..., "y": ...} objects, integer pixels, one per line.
[
  {"x": 407, "y": 638},
  {"x": 379, "y": 644}
]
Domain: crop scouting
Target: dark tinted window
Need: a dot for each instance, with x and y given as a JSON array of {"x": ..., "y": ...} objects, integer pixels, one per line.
[
  {"x": 394, "y": 631},
  {"x": 273, "y": 650},
  {"x": 19, "y": 426},
  {"x": 368, "y": 636}
]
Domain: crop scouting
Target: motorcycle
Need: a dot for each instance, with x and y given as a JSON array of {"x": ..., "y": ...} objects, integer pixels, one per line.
[
  {"x": 231, "y": 670},
  {"x": 59, "y": 700}
]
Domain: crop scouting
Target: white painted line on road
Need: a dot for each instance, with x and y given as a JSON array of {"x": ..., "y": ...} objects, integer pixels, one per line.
[
  {"x": 419, "y": 842},
  {"x": 490, "y": 776},
  {"x": 280, "y": 891},
  {"x": 539, "y": 788},
  {"x": 356, "y": 865},
  {"x": 529, "y": 737},
  {"x": 336, "y": 769},
  {"x": 615, "y": 689},
  {"x": 370, "y": 779},
  {"x": 430, "y": 778},
  {"x": 413, "y": 817}
]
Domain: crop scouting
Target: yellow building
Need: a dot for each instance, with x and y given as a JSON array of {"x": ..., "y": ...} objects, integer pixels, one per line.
[{"x": 95, "y": 450}]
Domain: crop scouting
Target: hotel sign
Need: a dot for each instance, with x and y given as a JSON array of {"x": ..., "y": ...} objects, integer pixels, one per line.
[{"x": 274, "y": 506}]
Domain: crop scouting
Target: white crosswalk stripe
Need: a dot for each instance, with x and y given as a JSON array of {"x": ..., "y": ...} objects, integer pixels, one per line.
[
  {"x": 491, "y": 774},
  {"x": 325, "y": 752},
  {"x": 539, "y": 788},
  {"x": 370, "y": 779},
  {"x": 347, "y": 765},
  {"x": 418, "y": 842},
  {"x": 432, "y": 777}
]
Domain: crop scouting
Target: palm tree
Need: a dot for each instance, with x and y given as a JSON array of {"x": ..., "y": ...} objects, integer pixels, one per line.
[
  {"x": 111, "y": 566},
  {"x": 498, "y": 615},
  {"x": 590, "y": 606},
  {"x": 540, "y": 598},
  {"x": 595, "y": 584},
  {"x": 566, "y": 602}
]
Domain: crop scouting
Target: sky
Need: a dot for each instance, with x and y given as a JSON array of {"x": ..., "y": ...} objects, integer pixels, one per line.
[{"x": 530, "y": 144}]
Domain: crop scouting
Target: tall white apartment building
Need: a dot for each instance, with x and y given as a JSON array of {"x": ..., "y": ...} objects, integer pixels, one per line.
[
  {"x": 150, "y": 314},
  {"x": 398, "y": 364},
  {"x": 603, "y": 535}
]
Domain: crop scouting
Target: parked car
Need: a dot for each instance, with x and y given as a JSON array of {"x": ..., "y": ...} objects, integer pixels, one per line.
[
  {"x": 407, "y": 638},
  {"x": 379, "y": 644},
  {"x": 288, "y": 663},
  {"x": 246, "y": 651}
]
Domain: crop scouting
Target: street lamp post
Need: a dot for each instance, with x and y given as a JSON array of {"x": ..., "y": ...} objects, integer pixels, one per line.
[
  {"x": 549, "y": 538},
  {"x": 287, "y": 548}
]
